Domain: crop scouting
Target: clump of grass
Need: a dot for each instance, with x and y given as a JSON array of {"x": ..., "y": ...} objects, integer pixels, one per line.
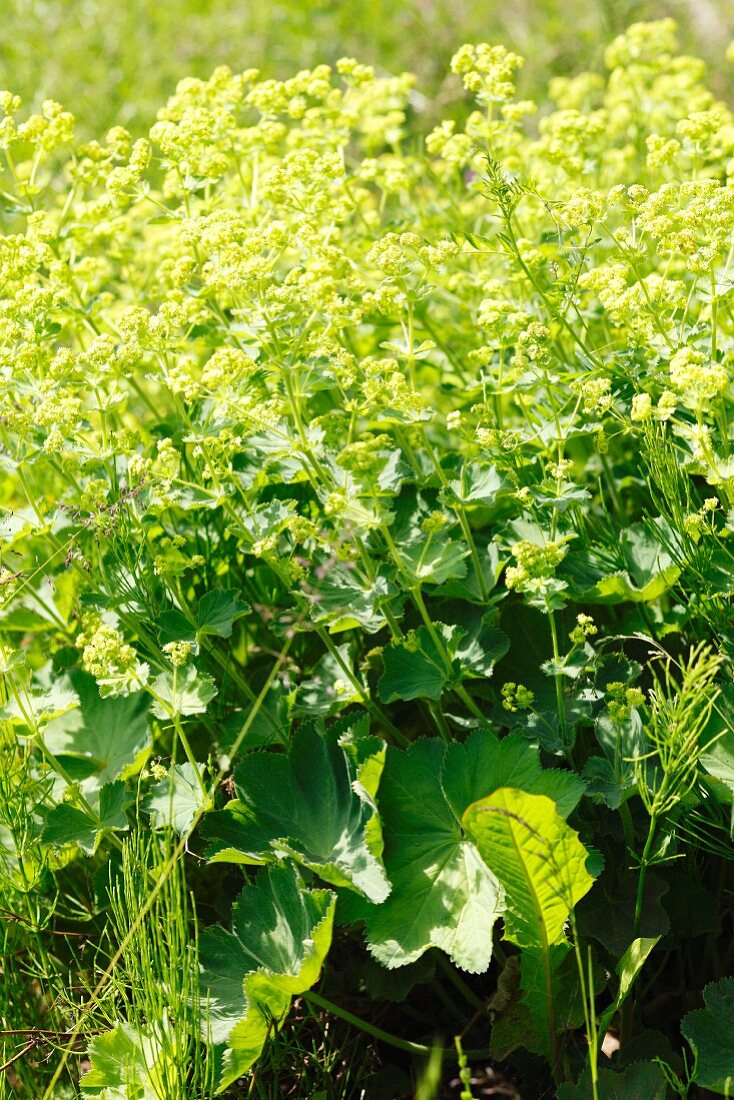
[{"x": 155, "y": 982}]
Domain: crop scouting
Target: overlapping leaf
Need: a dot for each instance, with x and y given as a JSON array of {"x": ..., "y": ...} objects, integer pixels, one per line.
[
  {"x": 414, "y": 669},
  {"x": 541, "y": 864},
  {"x": 612, "y": 776},
  {"x": 538, "y": 858},
  {"x": 124, "y": 1064},
  {"x": 281, "y": 933},
  {"x": 417, "y": 669},
  {"x": 103, "y": 739},
  {"x": 640, "y": 569},
  {"x": 433, "y": 560},
  {"x": 315, "y": 805},
  {"x": 710, "y": 1031},
  {"x": 341, "y": 600},
  {"x": 444, "y": 895},
  {"x": 182, "y": 691},
  {"x": 176, "y": 799},
  {"x": 478, "y": 484},
  {"x": 69, "y": 824},
  {"x": 215, "y": 615}
]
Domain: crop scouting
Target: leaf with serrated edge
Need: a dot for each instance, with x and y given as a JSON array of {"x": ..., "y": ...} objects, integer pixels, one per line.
[
  {"x": 710, "y": 1032},
  {"x": 111, "y": 734},
  {"x": 117, "y": 1061},
  {"x": 309, "y": 806},
  {"x": 478, "y": 484},
  {"x": 176, "y": 800},
  {"x": 541, "y": 864},
  {"x": 280, "y": 936},
  {"x": 67, "y": 824},
  {"x": 416, "y": 669},
  {"x": 434, "y": 561},
  {"x": 483, "y": 763},
  {"x": 218, "y": 611},
  {"x": 342, "y": 601},
  {"x": 443, "y": 894},
  {"x": 127, "y": 1063},
  {"x": 182, "y": 691}
]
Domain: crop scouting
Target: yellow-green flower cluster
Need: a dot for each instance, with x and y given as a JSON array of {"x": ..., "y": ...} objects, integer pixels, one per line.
[
  {"x": 696, "y": 378},
  {"x": 487, "y": 71},
  {"x": 111, "y": 660},
  {"x": 516, "y": 697},
  {"x": 534, "y": 573},
  {"x": 257, "y": 327},
  {"x": 622, "y": 700}
]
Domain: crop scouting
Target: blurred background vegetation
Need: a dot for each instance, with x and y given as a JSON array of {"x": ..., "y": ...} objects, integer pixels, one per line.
[{"x": 113, "y": 61}]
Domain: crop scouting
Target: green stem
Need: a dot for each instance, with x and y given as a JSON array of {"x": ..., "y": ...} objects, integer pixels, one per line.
[
  {"x": 590, "y": 1021},
  {"x": 457, "y": 981},
  {"x": 190, "y": 755},
  {"x": 560, "y": 704},
  {"x": 593, "y": 1033},
  {"x": 176, "y": 722},
  {"x": 438, "y": 642},
  {"x": 460, "y": 513},
  {"x": 628, "y": 826},
  {"x": 611, "y": 486},
  {"x": 553, "y": 310},
  {"x": 366, "y": 701},
  {"x": 644, "y": 864},
  {"x": 378, "y": 1033},
  {"x": 550, "y": 1008}
]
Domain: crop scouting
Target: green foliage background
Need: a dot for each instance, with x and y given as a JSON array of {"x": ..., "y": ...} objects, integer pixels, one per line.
[
  {"x": 190, "y": 331},
  {"x": 116, "y": 61}
]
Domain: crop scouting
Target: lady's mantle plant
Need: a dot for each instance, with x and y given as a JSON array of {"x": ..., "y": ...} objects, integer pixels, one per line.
[{"x": 367, "y": 514}]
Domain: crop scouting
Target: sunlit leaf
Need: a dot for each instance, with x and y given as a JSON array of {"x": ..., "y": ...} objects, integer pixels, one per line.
[{"x": 280, "y": 936}]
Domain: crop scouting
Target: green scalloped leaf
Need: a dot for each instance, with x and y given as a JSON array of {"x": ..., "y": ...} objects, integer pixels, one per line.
[
  {"x": 484, "y": 763},
  {"x": 644, "y": 568},
  {"x": 109, "y": 737},
  {"x": 343, "y": 602},
  {"x": 315, "y": 805},
  {"x": 710, "y": 1032},
  {"x": 119, "y": 1065},
  {"x": 218, "y": 610},
  {"x": 415, "y": 669},
  {"x": 434, "y": 560},
  {"x": 478, "y": 484},
  {"x": 176, "y": 799},
  {"x": 182, "y": 691},
  {"x": 281, "y": 934},
  {"x": 67, "y": 824},
  {"x": 443, "y": 894}
]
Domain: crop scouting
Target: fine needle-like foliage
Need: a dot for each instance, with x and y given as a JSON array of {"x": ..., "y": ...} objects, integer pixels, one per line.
[{"x": 155, "y": 1050}]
